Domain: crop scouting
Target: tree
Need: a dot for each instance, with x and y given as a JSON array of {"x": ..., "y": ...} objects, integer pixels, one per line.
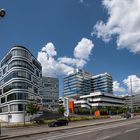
[
  {"x": 61, "y": 110},
  {"x": 32, "y": 108}
]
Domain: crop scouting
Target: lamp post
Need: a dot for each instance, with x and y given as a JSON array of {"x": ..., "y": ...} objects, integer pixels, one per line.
[
  {"x": 131, "y": 93},
  {"x": 2, "y": 13}
]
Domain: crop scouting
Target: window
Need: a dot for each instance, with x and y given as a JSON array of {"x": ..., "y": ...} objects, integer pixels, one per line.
[
  {"x": 37, "y": 73},
  {"x": 0, "y": 91},
  {"x": 22, "y": 96},
  {"x": 17, "y": 85},
  {"x": 35, "y": 90},
  {"x": 16, "y": 74},
  {"x": 11, "y": 97},
  {"x": 3, "y": 100},
  {"x": 6, "y": 59},
  {"x": 3, "y": 109},
  {"x": 21, "y": 52},
  {"x": 17, "y": 107},
  {"x": 17, "y": 96},
  {"x": 21, "y": 63},
  {"x": 35, "y": 81},
  {"x": 4, "y": 70}
]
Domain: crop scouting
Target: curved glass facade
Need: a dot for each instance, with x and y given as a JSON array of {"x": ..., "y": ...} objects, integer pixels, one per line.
[{"x": 20, "y": 73}]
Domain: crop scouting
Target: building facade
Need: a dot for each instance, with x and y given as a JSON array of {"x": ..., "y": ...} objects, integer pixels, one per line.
[
  {"x": 49, "y": 93},
  {"x": 99, "y": 99},
  {"x": 77, "y": 83},
  {"x": 20, "y": 73},
  {"x": 81, "y": 83},
  {"x": 132, "y": 101},
  {"x": 102, "y": 83}
]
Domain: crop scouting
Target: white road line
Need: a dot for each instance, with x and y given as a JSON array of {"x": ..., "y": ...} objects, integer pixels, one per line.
[
  {"x": 130, "y": 130},
  {"x": 85, "y": 131},
  {"x": 103, "y": 138}
]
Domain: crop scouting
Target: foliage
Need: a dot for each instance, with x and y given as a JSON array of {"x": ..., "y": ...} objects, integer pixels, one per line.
[
  {"x": 32, "y": 108},
  {"x": 82, "y": 118},
  {"x": 137, "y": 110},
  {"x": 121, "y": 110},
  {"x": 61, "y": 109},
  {"x": 82, "y": 111}
]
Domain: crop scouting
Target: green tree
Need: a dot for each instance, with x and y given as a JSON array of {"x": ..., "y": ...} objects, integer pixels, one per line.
[
  {"x": 32, "y": 108},
  {"x": 61, "y": 109}
]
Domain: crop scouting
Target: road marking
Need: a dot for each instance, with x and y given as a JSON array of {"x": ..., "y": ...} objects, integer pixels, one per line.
[
  {"x": 70, "y": 134},
  {"x": 103, "y": 138},
  {"x": 130, "y": 130}
]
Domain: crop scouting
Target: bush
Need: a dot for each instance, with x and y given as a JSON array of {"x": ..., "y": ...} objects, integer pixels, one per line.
[{"x": 82, "y": 118}]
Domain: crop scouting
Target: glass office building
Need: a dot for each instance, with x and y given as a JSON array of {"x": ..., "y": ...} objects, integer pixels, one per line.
[
  {"x": 81, "y": 83},
  {"x": 20, "y": 73},
  {"x": 102, "y": 83},
  {"x": 77, "y": 83}
]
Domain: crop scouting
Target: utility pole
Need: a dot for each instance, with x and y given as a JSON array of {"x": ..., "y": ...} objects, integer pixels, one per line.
[{"x": 131, "y": 93}]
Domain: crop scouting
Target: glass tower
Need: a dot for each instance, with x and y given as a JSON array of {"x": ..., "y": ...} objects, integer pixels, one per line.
[
  {"x": 77, "y": 84},
  {"x": 102, "y": 83}
]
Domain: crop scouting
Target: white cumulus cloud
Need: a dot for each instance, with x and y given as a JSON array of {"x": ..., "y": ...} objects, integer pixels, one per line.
[
  {"x": 118, "y": 88},
  {"x": 83, "y": 49},
  {"x": 49, "y": 49},
  {"x": 133, "y": 83},
  {"x": 58, "y": 66},
  {"x": 123, "y": 22}
]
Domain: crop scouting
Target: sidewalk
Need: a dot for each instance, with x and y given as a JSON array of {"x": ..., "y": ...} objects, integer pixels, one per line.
[{"x": 8, "y": 133}]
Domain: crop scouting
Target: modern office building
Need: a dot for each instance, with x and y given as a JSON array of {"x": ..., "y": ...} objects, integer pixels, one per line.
[
  {"x": 132, "y": 101},
  {"x": 81, "y": 83},
  {"x": 49, "y": 93},
  {"x": 20, "y": 73},
  {"x": 102, "y": 83},
  {"x": 77, "y": 83},
  {"x": 99, "y": 99}
]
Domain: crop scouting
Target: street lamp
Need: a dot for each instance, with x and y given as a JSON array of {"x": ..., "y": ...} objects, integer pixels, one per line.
[
  {"x": 2, "y": 13},
  {"x": 131, "y": 93}
]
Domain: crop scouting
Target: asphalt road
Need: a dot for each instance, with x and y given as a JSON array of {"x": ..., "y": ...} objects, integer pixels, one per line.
[{"x": 127, "y": 130}]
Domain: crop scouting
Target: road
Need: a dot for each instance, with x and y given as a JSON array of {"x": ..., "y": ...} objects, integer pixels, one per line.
[{"x": 127, "y": 130}]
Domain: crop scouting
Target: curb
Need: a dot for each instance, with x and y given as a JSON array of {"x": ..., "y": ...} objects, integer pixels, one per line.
[{"x": 48, "y": 131}]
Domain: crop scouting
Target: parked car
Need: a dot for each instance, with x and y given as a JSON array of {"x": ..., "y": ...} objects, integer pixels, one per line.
[{"x": 61, "y": 122}]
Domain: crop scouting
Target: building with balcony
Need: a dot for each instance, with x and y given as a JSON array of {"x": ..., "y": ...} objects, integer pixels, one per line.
[
  {"x": 49, "y": 93},
  {"x": 20, "y": 73}
]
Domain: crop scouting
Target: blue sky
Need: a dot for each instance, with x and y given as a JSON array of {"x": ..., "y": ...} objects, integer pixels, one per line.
[{"x": 61, "y": 24}]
